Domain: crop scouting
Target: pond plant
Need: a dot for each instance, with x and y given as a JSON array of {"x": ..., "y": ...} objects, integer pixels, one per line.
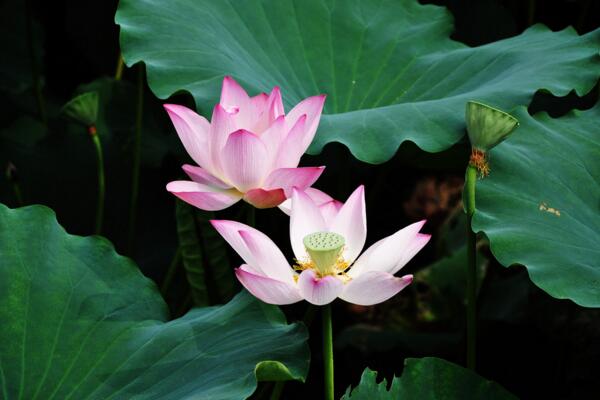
[{"x": 254, "y": 91}]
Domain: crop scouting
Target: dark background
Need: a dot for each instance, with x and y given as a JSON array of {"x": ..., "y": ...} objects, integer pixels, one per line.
[{"x": 534, "y": 345}]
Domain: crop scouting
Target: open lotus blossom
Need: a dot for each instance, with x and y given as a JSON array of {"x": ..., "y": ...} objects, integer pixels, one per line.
[
  {"x": 327, "y": 238},
  {"x": 250, "y": 150}
]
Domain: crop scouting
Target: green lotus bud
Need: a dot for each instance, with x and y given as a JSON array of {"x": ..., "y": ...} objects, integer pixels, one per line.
[
  {"x": 83, "y": 108},
  {"x": 324, "y": 249},
  {"x": 488, "y": 126}
]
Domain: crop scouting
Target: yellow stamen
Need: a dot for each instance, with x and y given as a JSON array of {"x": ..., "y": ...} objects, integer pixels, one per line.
[{"x": 339, "y": 269}]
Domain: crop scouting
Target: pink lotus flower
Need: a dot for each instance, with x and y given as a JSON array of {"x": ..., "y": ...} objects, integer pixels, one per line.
[
  {"x": 327, "y": 237},
  {"x": 250, "y": 150}
]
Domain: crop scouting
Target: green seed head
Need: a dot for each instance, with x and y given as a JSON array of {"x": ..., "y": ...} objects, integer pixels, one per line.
[
  {"x": 324, "y": 249},
  {"x": 488, "y": 126},
  {"x": 83, "y": 108}
]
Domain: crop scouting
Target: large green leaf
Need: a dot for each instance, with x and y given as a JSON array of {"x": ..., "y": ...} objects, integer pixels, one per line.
[
  {"x": 389, "y": 67},
  {"x": 428, "y": 378},
  {"x": 540, "y": 205},
  {"x": 81, "y": 322}
]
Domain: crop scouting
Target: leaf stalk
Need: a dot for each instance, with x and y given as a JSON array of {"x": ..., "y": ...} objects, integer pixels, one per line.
[{"x": 469, "y": 200}]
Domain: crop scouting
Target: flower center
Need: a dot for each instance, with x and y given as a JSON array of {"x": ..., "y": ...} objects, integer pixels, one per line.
[{"x": 325, "y": 249}]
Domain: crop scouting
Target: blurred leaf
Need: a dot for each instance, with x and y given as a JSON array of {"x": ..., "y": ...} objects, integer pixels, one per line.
[
  {"x": 508, "y": 299},
  {"x": 445, "y": 284},
  {"x": 371, "y": 339},
  {"x": 25, "y": 132},
  {"x": 389, "y": 68},
  {"x": 116, "y": 120},
  {"x": 16, "y": 66},
  {"x": 540, "y": 205},
  {"x": 428, "y": 378},
  {"x": 80, "y": 321},
  {"x": 57, "y": 166},
  {"x": 452, "y": 233},
  {"x": 204, "y": 256}
]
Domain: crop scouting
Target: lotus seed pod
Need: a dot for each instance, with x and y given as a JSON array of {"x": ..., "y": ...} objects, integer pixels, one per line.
[
  {"x": 488, "y": 126},
  {"x": 324, "y": 249},
  {"x": 83, "y": 108}
]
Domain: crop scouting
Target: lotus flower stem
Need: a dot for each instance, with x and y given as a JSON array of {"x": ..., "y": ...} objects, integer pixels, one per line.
[
  {"x": 18, "y": 194},
  {"x": 137, "y": 144},
  {"x": 277, "y": 390},
  {"x": 101, "y": 185},
  {"x": 120, "y": 67},
  {"x": 469, "y": 199},
  {"x": 327, "y": 352}
]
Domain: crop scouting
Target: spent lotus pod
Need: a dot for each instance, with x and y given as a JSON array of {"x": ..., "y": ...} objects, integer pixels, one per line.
[
  {"x": 486, "y": 127},
  {"x": 327, "y": 237},
  {"x": 249, "y": 150},
  {"x": 83, "y": 108}
]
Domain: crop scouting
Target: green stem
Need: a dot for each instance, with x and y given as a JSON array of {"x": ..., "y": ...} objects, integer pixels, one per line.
[
  {"x": 277, "y": 390},
  {"x": 18, "y": 194},
  {"x": 101, "y": 184},
  {"x": 327, "y": 352},
  {"x": 35, "y": 72},
  {"x": 171, "y": 272},
  {"x": 119, "y": 70},
  {"x": 135, "y": 184},
  {"x": 469, "y": 199}
]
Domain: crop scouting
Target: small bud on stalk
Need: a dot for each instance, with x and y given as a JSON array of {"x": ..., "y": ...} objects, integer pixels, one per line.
[{"x": 486, "y": 126}]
